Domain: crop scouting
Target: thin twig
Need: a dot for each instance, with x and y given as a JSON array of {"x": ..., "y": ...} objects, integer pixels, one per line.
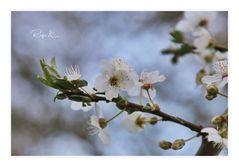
[{"x": 131, "y": 107}]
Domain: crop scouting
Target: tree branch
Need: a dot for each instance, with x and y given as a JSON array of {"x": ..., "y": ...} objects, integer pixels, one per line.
[{"x": 131, "y": 107}]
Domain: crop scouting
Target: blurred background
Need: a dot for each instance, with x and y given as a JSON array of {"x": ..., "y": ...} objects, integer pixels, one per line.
[{"x": 43, "y": 127}]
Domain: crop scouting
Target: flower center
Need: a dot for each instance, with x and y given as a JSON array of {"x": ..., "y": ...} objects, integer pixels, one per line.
[
  {"x": 203, "y": 23},
  {"x": 147, "y": 86},
  {"x": 140, "y": 121},
  {"x": 208, "y": 58},
  {"x": 114, "y": 81},
  {"x": 102, "y": 123}
]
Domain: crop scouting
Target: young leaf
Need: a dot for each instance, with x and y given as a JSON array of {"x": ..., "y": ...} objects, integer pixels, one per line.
[
  {"x": 80, "y": 83},
  {"x": 177, "y": 36},
  {"x": 53, "y": 63},
  {"x": 63, "y": 84},
  {"x": 60, "y": 96}
]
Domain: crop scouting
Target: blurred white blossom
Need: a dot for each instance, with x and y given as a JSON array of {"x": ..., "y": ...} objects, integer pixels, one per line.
[
  {"x": 202, "y": 40},
  {"x": 220, "y": 78},
  {"x": 98, "y": 125},
  {"x": 134, "y": 122},
  {"x": 221, "y": 55},
  {"x": 195, "y": 20}
]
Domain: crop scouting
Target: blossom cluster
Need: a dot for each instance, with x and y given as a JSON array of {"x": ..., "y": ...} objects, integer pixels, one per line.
[
  {"x": 117, "y": 76},
  {"x": 196, "y": 30}
]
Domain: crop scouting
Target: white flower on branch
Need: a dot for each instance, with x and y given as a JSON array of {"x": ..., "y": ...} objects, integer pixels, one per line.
[
  {"x": 98, "y": 125},
  {"x": 73, "y": 73},
  {"x": 214, "y": 136},
  {"x": 202, "y": 41},
  {"x": 195, "y": 20},
  {"x": 221, "y": 77},
  {"x": 135, "y": 122},
  {"x": 221, "y": 55},
  {"x": 79, "y": 105},
  {"x": 145, "y": 82},
  {"x": 115, "y": 76}
]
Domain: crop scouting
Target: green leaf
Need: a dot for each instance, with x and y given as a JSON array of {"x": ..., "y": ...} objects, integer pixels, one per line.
[
  {"x": 60, "y": 96},
  {"x": 80, "y": 83},
  {"x": 168, "y": 51},
  {"x": 50, "y": 73},
  {"x": 79, "y": 98},
  {"x": 44, "y": 81},
  {"x": 63, "y": 84},
  {"x": 177, "y": 36},
  {"x": 53, "y": 63}
]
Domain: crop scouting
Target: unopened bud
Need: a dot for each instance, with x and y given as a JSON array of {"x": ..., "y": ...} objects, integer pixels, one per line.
[
  {"x": 178, "y": 144},
  {"x": 153, "y": 120},
  {"x": 216, "y": 120},
  {"x": 210, "y": 97},
  {"x": 165, "y": 144},
  {"x": 212, "y": 90}
]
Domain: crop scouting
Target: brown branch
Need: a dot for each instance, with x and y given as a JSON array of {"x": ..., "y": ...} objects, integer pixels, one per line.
[
  {"x": 131, "y": 107},
  {"x": 206, "y": 148}
]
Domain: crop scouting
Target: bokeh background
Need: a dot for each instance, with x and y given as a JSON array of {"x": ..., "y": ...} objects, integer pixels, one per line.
[{"x": 43, "y": 127}]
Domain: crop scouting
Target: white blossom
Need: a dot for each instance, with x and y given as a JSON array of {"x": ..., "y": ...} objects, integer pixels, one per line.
[
  {"x": 73, "y": 73},
  {"x": 221, "y": 77},
  {"x": 195, "y": 20},
  {"x": 79, "y": 105},
  {"x": 98, "y": 125},
  {"x": 202, "y": 40},
  {"x": 145, "y": 82},
  {"x": 221, "y": 55},
  {"x": 134, "y": 122},
  {"x": 213, "y": 136},
  {"x": 115, "y": 76}
]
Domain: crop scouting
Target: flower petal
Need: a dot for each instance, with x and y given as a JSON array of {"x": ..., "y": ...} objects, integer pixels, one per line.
[
  {"x": 101, "y": 83},
  {"x": 94, "y": 120},
  {"x": 125, "y": 79},
  {"x": 223, "y": 82},
  {"x": 130, "y": 122},
  {"x": 214, "y": 138},
  {"x": 111, "y": 93},
  {"x": 209, "y": 79},
  {"x": 104, "y": 136}
]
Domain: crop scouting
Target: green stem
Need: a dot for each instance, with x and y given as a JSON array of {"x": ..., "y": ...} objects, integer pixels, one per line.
[
  {"x": 186, "y": 140},
  {"x": 151, "y": 100},
  {"x": 140, "y": 97},
  {"x": 114, "y": 116},
  {"x": 222, "y": 94}
]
